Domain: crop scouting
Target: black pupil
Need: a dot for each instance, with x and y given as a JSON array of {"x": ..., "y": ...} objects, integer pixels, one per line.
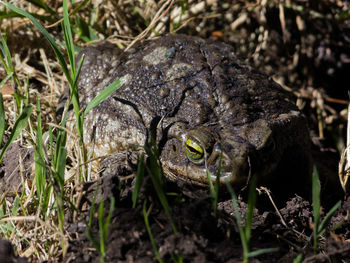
[{"x": 192, "y": 150}]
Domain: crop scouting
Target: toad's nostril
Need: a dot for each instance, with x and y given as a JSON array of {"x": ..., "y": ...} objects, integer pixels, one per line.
[{"x": 226, "y": 165}]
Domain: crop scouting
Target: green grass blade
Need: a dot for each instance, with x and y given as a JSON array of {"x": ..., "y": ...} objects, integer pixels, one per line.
[
  {"x": 88, "y": 231},
  {"x": 214, "y": 189},
  {"x": 26, "y": 94},
  {"x": 80, "y": 5},
  {"x": 8, "y": 14},
  {"x": 59, "y": 180},
  {"x": 262, "y": 251},
  {"x": 298, "y": 259},
  {"x": 148, "y": 228},
  {"x": 46, "y": 34},
  {"x": 6, "y": 79},
  {"x": 45, "y": 201},
  {"x": 3, "y": 62},
  {"x": 17, "y": 128},
  {"x": 235, "y": 204},
  {"x": 251, "y": 206},
  {"x": 73, "y": 77},
  {"x": 2, "y": 209},
  {"x": 67, "y": 33},
  {"x": 60, "y": 142},
  {"x": 11, "y": 14},
  {"x": 92, "y": 239},
  {"x": 7, "y": 54},
  {"x": 101, "y": 228},
  {"x": 184, "y": 7},
  {"x": 14, "y": 210},
  {"x": 316, "y": 204},
  {"x": 155, "y": 172},
  {"x": 61, "y": 165},
  {"x": 80, "y": 64},
  {"x": 104, "y": 226},
  {"x": 104, "y": 94},
  {"x": 92, "y": 209},
  {"x": 109, "y": 217},
  {"x": 139, "y": 179},
  {"x": 316, "y": 188},
  {"x": 239, "y": 225},
  {"x": 211, "y": 186},
  {"x": 217, "y": 185},
  {"x": 44, "y": 6},
  {"x": 325, "y": 221},
  {"x": 6, "y": 60},
  {"x": 2, "y": 119},
  {"x": 51, "y": 143},
  {"x": 84, "y": 30},
  {"x": 39, "y": 155}
]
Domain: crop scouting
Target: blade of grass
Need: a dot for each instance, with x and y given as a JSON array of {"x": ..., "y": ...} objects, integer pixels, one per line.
[
  {"x": 184, "y": 7},
  {"x": 7, "y": 59},
  {"x": 88, "y": 231},
  {"x": 325, "y": 221},
  {"x": 139, "y": 179},
  {"x": 149, "y": 231},
  {"x": 244, "y": 242},
  {"x": 6, "y": 79},
  {"x": 245, "y": 232},
  {"x": 109, "y": 217},
  {"x": 155, "y": 172},
  {"x": 2, "y": 119},
  {"x": 213, "y": 193},
  {"x": 105, "y": 93},
  {"x": 80, "y": 64},
  {"x": 20, "y": 123},
  {"x": 104, "y": 225},
  {"x": 262, "y": 251},
  {"x": 79, "y": 6},
  {"x": 26, "y": 94},
  {"x": 61, "y": 165},
  {"x": 10, "y": 14},
  {"x": 85, "y": 30},
  {"x": 67, "y": 33},
  {"x": 251, "y": 206},
  {"x": 73, "y": 77},
  {"x": 319, "y": 226},
  {"x": 100, "y": 225},
  {"x": 58, "y": 174},
  {"x": 298, "y": 259},
  {"x": 44, "y": 6},
  {"x": 316, "y": 204},
  {"x": 217, "y": 185},
  {"x": 39, "y": 155},
  {"x": 14, "y": 210},
  {"x": 214, "y": 190}
]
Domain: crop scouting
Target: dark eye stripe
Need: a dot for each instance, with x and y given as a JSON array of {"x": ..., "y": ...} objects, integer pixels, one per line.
[{"x": 193, "y": 150}]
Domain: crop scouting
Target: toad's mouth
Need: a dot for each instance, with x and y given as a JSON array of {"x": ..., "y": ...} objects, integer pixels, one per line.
[
  {"x": 199, "y": 175},
  {"x": 234, "y": 170}
]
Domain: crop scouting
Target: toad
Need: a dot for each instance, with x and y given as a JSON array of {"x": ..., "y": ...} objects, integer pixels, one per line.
[{"x": 205, "y": 107}]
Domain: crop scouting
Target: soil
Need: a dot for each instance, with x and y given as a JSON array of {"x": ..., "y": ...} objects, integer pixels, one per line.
[
  {"x": 201, "y": 236},
  {"x": 312, "y": 53}
]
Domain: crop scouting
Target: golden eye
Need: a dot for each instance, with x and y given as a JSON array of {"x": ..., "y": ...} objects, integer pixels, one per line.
[{"x": 194, "y": 151}]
